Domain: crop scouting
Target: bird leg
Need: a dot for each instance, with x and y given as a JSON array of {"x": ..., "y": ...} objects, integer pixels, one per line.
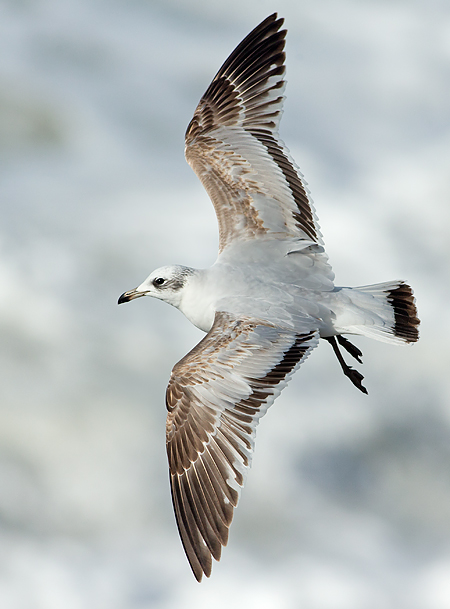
[
  {"x": 350, "y": 348},
  {"x": 355, "y": 376}
]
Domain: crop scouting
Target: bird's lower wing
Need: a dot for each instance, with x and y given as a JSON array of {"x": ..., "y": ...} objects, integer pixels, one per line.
[{"x": 216, "y": 395}]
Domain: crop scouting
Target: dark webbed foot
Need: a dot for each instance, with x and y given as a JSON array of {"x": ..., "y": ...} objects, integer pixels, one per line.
[
  {"x": 350, "y": 348},
  {"x": 355, "y": 376}
]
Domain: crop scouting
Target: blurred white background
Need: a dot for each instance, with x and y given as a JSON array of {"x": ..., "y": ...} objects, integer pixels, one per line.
[{"x": 347, "y": 505}]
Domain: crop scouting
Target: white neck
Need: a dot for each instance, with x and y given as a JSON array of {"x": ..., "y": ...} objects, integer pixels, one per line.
[{"x": 196, "y": 301}]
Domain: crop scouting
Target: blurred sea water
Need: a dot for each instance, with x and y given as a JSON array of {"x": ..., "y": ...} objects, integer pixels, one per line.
[{"x": 347, "y": 505}]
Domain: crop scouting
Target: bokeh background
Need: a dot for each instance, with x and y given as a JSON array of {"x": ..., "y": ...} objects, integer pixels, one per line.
[{"x": 347, "y": 505}]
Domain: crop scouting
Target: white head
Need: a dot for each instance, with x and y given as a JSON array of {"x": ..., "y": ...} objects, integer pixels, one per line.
[{"x": 166, "y": 283}]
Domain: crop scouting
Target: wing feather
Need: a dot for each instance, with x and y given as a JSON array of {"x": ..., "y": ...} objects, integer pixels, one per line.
[
  {"x": 216, "y": 395},
  {"x": 233, "y": 146}
]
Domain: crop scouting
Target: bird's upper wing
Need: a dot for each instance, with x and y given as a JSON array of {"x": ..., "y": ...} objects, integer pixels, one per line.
[
  {"x": 232, "y": 144},
  {"x": 216, "y": 395}
]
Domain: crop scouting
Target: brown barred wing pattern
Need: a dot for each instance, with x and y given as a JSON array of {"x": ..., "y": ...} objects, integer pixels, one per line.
[
  {"x": 216, "y": 395},
  {"x": 233, "y": 146}
]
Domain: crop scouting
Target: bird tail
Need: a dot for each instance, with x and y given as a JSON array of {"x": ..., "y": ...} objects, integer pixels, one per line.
[{"x": 384, "y": 311}]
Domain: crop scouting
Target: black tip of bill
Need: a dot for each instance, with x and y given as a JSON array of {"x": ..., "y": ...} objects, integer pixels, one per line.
[{"x": 130, "y": 295}]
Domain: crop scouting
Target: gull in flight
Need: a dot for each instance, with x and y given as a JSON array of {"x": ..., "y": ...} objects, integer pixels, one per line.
[{"x": 264, "y": 304}]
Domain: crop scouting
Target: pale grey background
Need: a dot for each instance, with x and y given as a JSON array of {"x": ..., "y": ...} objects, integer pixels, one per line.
[{"x": 348, "y": 502}]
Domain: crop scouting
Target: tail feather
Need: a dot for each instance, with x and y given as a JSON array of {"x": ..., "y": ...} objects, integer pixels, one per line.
[
  {"x": 405, "y": 312},
  {"x": 384, "y": 311}
]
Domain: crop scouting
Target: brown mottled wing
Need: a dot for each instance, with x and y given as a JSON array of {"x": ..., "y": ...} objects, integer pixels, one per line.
[
  {"x": 216, "y": 395},
  {"x": 232, "y": 145}
]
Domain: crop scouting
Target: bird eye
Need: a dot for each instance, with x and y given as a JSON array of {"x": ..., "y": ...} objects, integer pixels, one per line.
[{"x": 158, "y": 281}]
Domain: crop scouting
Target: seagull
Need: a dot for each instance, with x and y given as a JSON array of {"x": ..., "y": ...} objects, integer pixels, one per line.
[{"x": 264, "y": 304}]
